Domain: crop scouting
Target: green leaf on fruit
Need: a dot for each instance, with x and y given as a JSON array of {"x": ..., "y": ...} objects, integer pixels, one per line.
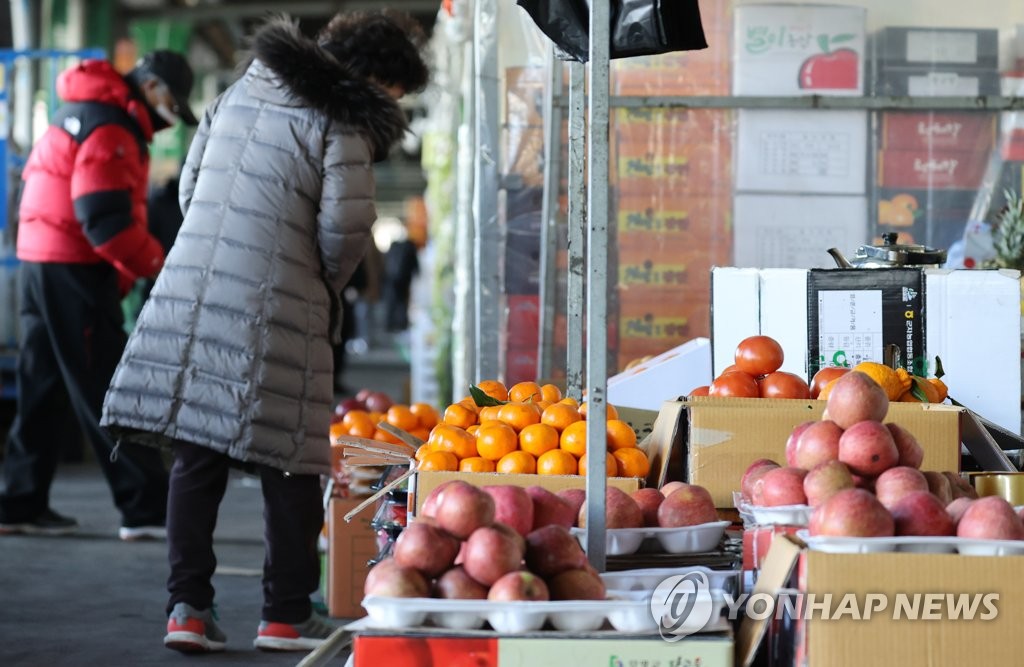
[
  {"x": 918, "y": 393},
  {"x": 841, "y": 38},
  {"x": 938, "y": 367},
  {"x": 481, "y": 399}
]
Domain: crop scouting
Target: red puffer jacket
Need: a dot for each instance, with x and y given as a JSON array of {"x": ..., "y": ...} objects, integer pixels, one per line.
[{"x": 84, "y": 197}]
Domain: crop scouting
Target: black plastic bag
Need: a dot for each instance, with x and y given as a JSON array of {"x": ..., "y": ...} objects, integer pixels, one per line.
[{"x": 638, "y": 27}]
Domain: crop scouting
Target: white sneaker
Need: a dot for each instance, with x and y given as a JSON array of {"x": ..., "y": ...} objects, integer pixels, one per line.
[{"x": 140, "y": 533}]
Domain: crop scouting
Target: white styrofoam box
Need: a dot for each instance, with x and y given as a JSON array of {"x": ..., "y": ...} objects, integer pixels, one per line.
[
  {"x": 667, "y": 376},
  {"x": 792, "y": 49},
  {"x": 796, "y": 231},
  {"x": 736, "y": 313},
  {"x": 802, "y": 151},
  {"x": 973, "y": 324}
]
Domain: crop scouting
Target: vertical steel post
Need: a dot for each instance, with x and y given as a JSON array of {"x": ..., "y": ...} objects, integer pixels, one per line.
[
  {"x": 489, "y": 243},
  {"x": 549, "y": 216},
  {"x": 597, "y": 280},
  {"x": 577, "y": 239}
]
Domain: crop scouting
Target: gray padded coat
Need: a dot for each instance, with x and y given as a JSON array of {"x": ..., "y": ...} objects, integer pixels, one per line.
[{"x": 232, "y": 351}]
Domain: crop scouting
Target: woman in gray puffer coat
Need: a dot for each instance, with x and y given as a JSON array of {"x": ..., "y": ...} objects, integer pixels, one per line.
[{"x": 231, "y": 358}]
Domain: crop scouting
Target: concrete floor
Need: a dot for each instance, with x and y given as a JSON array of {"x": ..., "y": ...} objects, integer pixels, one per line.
[{"x": 91, "y": 599}]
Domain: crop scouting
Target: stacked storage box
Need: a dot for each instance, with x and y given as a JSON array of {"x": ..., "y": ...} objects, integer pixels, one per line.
[
  {"x": 671, "y": 198},
  {"x": 800, "y": 175},
  {"x": 930, "y": 164}
]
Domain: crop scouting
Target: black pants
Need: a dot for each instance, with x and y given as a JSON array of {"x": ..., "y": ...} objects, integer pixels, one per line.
[
  {"x": 71, "y": 341},
  {"x": 292, "y": 516}
]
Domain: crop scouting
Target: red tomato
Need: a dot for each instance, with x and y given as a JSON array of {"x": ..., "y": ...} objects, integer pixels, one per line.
[
  {"x": 734, "y": 383},
  {"x": 781, "y": 384},
  {"x": 824, "y": 376},
  {"x": 700, "y": 391},
  {"x": 759, "y": 355},
  {"x": 729, "y": 369}
]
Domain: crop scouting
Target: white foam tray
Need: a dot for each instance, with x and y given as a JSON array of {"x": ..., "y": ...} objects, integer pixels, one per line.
[
  {"x": 781, "y": 515},
  {"x": 933, "y": 545},
  {"x": 628, "y": 612},
  {"x": 685, "y": 540},
  {"x": 647, "y": 580}
]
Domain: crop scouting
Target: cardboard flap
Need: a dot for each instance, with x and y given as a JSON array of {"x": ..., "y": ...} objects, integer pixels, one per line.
[
  {"x": 665, "y": 437},
  {"x": 774, "y": 575},
  {"x": 982, "y": 446}
]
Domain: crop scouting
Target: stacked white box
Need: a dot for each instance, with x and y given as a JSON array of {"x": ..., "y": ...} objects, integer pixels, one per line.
[{"x": 784, "y": 155}]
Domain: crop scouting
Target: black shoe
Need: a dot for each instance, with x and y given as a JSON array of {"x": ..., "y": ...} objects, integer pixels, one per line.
[{"x": 47, "y": 523}]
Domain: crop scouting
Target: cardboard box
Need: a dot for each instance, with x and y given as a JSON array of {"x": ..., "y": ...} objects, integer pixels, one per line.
[
  {"x": 931, "y": 168},
  {"x": 795, "y": 231},
  {"x": 798, "y": 50},
  {"x": 928, "y": 82},
  {"x": 962, "y": 48},
  {"x": 350, "y": 547},
  {"x": 725, "y": 435},
  {"x": 937, "y": 632},
  {"x": 425, "y": 482},
  {"x": 485, "y": 649},
  {"x": 972, "y": 322},
  {"x": 973, "y": 131},
  {"x": 802, "y": 151},
  {"x": 652, "y": 125},
  {"x": 679, "y": 223}
]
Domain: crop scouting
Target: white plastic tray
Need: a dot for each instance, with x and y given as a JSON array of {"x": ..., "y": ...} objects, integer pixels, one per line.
[
  {"x": 934, "y": 545},
  {"x": 648, "y": 579},
  {"x": 685, "y": 540},
  {"x": 626, "y": 613},
  {"x": 782, "y": 515}
]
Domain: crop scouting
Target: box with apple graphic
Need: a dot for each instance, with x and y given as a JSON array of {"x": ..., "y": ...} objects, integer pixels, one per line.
[{"x": 798, "y": 50}]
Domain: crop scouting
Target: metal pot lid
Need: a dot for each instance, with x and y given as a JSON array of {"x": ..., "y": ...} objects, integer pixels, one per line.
[{"x": 902, "y": 253}]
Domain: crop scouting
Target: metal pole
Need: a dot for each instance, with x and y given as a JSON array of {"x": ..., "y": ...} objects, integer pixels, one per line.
[
  {"x": 597, "y": 281},
  {"x": 464, "y": 311},
  {"x": 549, "y": 216},
  {"x": 577, "y": 239},
  {"x": 489, "y": 246}
]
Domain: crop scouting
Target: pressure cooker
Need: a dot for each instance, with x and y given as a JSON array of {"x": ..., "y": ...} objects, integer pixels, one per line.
[{"x": 890, "y": 254}]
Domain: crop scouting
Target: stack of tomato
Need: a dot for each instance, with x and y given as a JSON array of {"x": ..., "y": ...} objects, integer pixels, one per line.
[{"x": 756, "y": 374}]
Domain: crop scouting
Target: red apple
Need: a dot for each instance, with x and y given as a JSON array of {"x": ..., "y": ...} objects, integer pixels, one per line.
[
  {"x": 512, "y": 507},
  {"x": 783, "y": 486},
  {"x": 866, "y": 447},
  {"x": 750, "y": 480},
  {"x": 519, "y": 585},
  {"x": 818, "y": 444},
  {"x": 378, "y": 401},
  {"x": 792, "y": 440},
  {"x": 648, "y": 500}
]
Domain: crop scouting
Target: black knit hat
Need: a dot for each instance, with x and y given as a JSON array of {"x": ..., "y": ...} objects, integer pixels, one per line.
[{"x": 173, "y": 70}]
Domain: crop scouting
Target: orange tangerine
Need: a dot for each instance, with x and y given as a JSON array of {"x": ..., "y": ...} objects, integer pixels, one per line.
[
  {"x": 494, "y": 388},
  {"x": 542, "y": 405},
  {"x": 459, "y": 415},
  {"x": 525, "y": 391},
  {"x": 400, "y": 416},
  {"x": 556, "y": 462},
  {"x": 569, "y": 400},
  {"x": 631, "y": 462},
  {"x": 470, "y": 404},
  {"x": 574, "y": 438},
  {"x": 519, "y": 415},
  {"x": 438, "y": 461},
  {"x": 473, "y": 429},
  {"x": 620, "y": 434},
  {"x": 383, "y": 436},
  {"x": 426, "y": 414},
  {"x": 493, "y": 441},
  {"x": 421, "y": 433},
  {"x": 610, "y": 411},
  {"x": 560, "y": 415},
  {"x": 611, "y": 470},
  {"x": 517, "y": 462},
  {"x": 338, "y": 429},
  {"x": 457, "y": 441},
  {"x": 423, "y": 450},
  {"x": 476, "y": 464},
  {"x": 550, "y": 393},
  {"x": 358, "y": 420},
  {"x": 488, "y": 412},
  {"x": 538, "y": 439}
]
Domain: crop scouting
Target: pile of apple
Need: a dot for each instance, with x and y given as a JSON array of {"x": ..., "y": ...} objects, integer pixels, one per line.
[
  {"x": 861, "y": 477},
  {"x": 675, "y": 505},
  {"x": 499, "y": 543}
]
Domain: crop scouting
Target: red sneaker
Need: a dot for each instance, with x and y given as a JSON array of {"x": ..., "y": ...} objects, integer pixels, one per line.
[
  {"x": 192, "y": 631},
  {"x": 304, "y": 636}
]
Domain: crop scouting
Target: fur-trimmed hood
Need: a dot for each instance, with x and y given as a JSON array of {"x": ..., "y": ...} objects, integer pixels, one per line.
[{"x": 315, "y": 77}]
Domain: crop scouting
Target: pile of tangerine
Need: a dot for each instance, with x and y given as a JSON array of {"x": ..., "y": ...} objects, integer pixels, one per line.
[
  {"x": 416, "y": 419},
  {"x": 531, "y": 429}
]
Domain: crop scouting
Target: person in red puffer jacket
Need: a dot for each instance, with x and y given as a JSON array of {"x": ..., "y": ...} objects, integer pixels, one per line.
[{"x": 83, "y": 241}]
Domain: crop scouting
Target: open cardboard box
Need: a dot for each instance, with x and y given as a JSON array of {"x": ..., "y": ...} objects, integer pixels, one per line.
[
  {"x": 719, "y": 437},
  {"x": 939, "y": 636}
]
